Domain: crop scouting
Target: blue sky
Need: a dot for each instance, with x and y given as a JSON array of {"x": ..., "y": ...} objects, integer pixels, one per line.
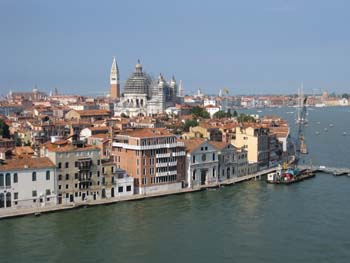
[{"x": 261, "y": 46}]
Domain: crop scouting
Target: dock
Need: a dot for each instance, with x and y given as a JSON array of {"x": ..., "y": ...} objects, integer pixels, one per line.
[{"x": 336, "y": 171}]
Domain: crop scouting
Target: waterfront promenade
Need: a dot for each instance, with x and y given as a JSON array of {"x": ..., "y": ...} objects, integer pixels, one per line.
[{"x": 17, "y": 212}]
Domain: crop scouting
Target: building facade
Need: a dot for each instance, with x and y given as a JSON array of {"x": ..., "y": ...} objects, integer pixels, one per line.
[
  {"x": 153, "y": 157},
  {"x": 202, "y": 163},
  {"x": 78, "y": 169},
  {"x": 29, "y": 182}
]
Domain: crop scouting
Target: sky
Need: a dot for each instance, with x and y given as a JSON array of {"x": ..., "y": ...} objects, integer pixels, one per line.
[{"x": 249, "y": 47}]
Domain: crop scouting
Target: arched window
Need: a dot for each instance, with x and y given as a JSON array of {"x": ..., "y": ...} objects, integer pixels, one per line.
[{"x": 194, "y": 175}]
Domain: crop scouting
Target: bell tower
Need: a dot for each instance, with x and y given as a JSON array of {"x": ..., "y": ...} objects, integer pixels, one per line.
[{"x": 114, "y": 81}]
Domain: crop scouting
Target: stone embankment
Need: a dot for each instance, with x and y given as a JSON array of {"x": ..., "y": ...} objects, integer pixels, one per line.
[{"x": 17, "y": 212}]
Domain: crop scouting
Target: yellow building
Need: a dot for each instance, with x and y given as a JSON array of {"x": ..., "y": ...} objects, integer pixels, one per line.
[{"x": 255, "y": 141}]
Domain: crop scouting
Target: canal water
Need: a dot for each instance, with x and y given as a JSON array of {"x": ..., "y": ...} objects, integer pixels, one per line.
[{"x": 248, "y": 222}]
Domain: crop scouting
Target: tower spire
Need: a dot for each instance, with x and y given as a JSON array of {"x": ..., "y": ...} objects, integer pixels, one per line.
[{"x": 114, "y": 80}]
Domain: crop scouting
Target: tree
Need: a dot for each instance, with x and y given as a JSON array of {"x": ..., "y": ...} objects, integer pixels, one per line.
[
  {"x": 245, "y": 118},
  {"x": 190, "y": 123},
  {"x": 4, "y": 129},
  {"x": 222, "y": 114},
  {"x": 199, "y": 112},
  {"x": 235, "y": 114}
]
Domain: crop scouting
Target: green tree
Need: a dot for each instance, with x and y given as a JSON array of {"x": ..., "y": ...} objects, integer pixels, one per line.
[
  {"x": 222, "y": 114},
  {"x": 190, "y": 123},
  {"x": 245, "y": 118},
  {"x": 235, "y": 114},
  {"x": 4, "y": 129},
  {"x": 345, "y": 96},
  {"x": 199, "y": 112}
]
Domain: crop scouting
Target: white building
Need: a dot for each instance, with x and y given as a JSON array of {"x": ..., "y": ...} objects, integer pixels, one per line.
[
  {"x": 211, "y": 109},
  {"x": 27, "y": 182},
  {"x": 145, "y": 96},
  {"x": 202, "y": 163}
]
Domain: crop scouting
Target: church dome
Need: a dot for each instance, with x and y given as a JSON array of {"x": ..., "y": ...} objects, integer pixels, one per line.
[{"x": 139, "y": 82}]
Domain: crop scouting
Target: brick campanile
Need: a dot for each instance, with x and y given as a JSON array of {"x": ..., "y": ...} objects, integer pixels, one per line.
[{"x": 114, "y": 81}]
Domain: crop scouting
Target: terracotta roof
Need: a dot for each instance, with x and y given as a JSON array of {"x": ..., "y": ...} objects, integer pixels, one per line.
[
  {"x": 148, "y": 133},
  {"x": 53, "y": 147},
  {"x": 27, "y": 163},
  {"x": 192, "y": 144},
  {"x": 219, "y": 145},
  {"x": 93, "y": 112},
  {"x": 19, "y": 150}
]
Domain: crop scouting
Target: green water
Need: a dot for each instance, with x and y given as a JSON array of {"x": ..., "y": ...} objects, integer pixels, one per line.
[{"x": 248, "y": 222}]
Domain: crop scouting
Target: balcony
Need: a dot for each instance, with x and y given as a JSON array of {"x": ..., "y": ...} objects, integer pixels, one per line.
[
  {"x": 161, "y": 164},
  {"x": 173, "y": 163},
  {"x": 85, "y": 164},
  {"x": 163, "y": 155},
  {"x": 166, "y": 173},
  {"x": 182, "y": 153}
]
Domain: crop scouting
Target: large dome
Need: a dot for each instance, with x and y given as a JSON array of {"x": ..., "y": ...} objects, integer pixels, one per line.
[{"x": 138, "y": 83}]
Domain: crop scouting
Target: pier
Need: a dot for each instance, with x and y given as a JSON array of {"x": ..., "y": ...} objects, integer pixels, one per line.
[{"x": 338, "y": 171}]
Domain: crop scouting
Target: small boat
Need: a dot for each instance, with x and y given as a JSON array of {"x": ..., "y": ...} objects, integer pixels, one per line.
[
  {"x": 317, "y": 133},
  {"x": 37, "y": 214},
  {"x": 318, "y": 122},
  {"x": 345, "y": 133},
  {"x": 325, "y": 129},
  {"x": 331, "y": 125}
]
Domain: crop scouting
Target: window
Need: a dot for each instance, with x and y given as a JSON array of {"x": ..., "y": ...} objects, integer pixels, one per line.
[
  {"x": 213, "y": 156},
  {"x": 15, "y": 196},
  {"x": 193, "y": 159},
  {"x": 76, "y": 176},
  {"x": 76, "y": 185},
  {"x": 120, "y": 189},
  {"x": 204, "y": 157},
  {"x": 8, "y": 179},
  {"x": 34, "y": 194},
  {"x": 67, "y": 186},
  {"x": 48, "y": 191},
  {"x": 206, "y": 148},
  {"x": 98, "y": 162},
  {"x": 15, "y": 178},
  {"x": 67, "y": 164},
  {"x": 47, "y": 175},
  {"x": 59, "y": 165},
  {"x": 112, "y": 169},
  {"x": 76, "y": 164},
  {"x": 33, "y": 176},
  {"x": 59, "y": 177},
  {"x": 59, "y": 187},
  {"x": 98, "y": 173},
  {"x": 1, "y": 180},
  {"x": 112, "y": 179},
  {"x": 67, "y": 176},
  {"x": 128, "y": 188}
]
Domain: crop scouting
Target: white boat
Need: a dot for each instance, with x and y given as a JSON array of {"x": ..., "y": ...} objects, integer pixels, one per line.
[{"x": 320, "y": 105}]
